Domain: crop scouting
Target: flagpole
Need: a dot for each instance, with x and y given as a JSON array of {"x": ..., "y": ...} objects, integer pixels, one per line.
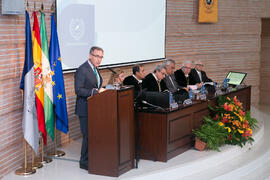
[
  {"x": 42, "y": 159},
  {"x": 25, "y": 170},
  {"x": 36, "y": 164},
  {"x": 60, "y": 116},
  {"x": 56, "y": 153}
]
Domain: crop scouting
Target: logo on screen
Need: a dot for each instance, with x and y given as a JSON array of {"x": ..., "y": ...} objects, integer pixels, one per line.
[{"x": 77, "y": 28}]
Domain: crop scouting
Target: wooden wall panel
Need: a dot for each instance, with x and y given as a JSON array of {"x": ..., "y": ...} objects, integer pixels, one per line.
[{"x": 265, "y": 63}]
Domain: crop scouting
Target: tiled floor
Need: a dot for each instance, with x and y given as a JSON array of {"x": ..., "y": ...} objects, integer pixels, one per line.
[{"x": 250, "y": 162}]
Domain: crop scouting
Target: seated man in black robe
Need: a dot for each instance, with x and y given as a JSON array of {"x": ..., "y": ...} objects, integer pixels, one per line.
[
  {"x": 197, "y": 75},
  {"x": 152, "y": 82},
  {"x": 136, "y": 78},
  {"x": 182, "y": 75}
]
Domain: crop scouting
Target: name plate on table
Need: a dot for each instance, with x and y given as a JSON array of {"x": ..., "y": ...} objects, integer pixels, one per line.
[
  {"x": 202, "y": 97},
  {"x": 187, "y": 102},
  {"x": 229, "y": 89},
  {"x": 219, "y": 92},
  {"x": 174, "y": 105}
]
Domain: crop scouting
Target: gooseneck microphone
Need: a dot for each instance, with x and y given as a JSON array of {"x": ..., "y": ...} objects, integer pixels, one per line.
[{"x": 152, "y": 105}]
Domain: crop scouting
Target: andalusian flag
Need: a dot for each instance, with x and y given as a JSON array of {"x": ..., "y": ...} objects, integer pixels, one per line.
[
  {"x": 47, "y": 80},
  {"x": 29, "y": 122},
  {"x": 59, "y": 95},
  {"x": 38, "y": 78}
]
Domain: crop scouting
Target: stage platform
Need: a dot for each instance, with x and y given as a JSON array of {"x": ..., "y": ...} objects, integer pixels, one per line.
[{"x": 250, "y": 162}]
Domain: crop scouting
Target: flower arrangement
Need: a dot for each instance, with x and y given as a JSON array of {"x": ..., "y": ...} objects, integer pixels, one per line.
[
  {"x": 211, "y": 133},
  {"x": 229, "y": 124},
  {"x": 230, "y": 115}
]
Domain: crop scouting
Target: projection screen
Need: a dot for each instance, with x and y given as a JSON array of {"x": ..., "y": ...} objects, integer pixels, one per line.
[{"x": 129, "y": 31}]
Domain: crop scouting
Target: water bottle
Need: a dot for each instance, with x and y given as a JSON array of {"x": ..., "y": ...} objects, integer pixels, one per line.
[
  {"x": 170, "y": 98},
  {"x": 203, "y": 90},
  {"x": 225, "y": 83},
  {"x": 190, "y": 94},
  {"x": 215, "y": 86}
]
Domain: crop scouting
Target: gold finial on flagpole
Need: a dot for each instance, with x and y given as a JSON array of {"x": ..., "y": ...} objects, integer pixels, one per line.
[
  {"x": 27, "y": 6},
  {"x": 42, "y": 7},
  {"x": 52, "y": 8}
]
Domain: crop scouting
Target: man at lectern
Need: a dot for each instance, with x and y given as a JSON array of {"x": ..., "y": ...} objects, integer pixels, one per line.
[{"x": 88, "y": 82}]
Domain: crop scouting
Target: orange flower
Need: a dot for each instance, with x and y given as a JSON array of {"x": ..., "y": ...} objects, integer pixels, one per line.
[
  {"x": 236, "y": 123},
  {"x": 235, "y": 99},
  {"x": 226, "y": 106},
  {"x": 230, "y": 107},
  {"x": 239, "y": 104},
  {"x": 242, "y": 113}
]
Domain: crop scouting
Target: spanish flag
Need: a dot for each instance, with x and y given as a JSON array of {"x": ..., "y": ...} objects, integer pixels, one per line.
[{"x": 39, "y": 90}]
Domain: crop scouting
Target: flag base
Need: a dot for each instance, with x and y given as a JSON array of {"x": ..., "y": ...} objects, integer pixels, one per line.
[
  {"x": 46, "y": 160},
  {"x": 57, "y": 153},
  {"x": 35, "y": 165},
  {"x": 25, "y": 171}
]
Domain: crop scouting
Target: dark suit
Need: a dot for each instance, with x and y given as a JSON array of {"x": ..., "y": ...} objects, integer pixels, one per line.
[
  {"x": 179, "y": 93},
  {"x": 181, "y": 79},
  {"x": 150, "y": 83},
  {"x": 171, "y": 83},
  {"x": 131, "y": 80},
  {"x": 85, "y": 86},
  {"x": 194, "y": 77}
]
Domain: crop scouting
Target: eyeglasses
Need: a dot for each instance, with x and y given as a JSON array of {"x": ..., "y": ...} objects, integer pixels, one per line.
[
  {"x": 186, "y": 67},
  {"x": 199, "y": 65},
  {"x": 162, "y": 73},
  {"x": 97, "y": 56}
]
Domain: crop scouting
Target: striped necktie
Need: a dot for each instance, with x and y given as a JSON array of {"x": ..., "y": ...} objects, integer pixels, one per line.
[
  {"x": 172, "y": 82},
  {"x": 95, "y": 71},
  {"x": 159, "y": 88}
]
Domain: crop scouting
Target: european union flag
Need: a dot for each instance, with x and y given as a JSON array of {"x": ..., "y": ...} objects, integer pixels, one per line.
[{"x": 59, "y": 95}]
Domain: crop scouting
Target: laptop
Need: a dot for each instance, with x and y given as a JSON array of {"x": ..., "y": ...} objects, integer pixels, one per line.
[{"x": 236, "y": 78}]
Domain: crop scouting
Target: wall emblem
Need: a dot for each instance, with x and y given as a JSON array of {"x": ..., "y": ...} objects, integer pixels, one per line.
[{"x": 208, "y": 11}]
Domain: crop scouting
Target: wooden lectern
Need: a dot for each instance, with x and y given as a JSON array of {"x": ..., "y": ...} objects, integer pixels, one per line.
[{"x": 111, "y": 132}]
